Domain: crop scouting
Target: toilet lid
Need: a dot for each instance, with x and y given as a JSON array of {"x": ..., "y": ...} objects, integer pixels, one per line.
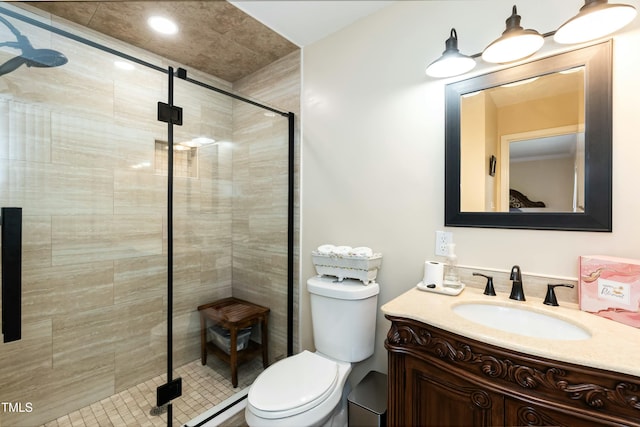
[{"x": 293, "y": 385}]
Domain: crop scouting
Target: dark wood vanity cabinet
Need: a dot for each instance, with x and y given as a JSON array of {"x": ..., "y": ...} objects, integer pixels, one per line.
[
  {"x": 437, "y": 378},
  {"x": 450, "y": 399}
]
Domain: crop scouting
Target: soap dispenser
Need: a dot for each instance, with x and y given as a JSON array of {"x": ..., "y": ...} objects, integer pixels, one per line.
[{"x": 451, "y": 277}]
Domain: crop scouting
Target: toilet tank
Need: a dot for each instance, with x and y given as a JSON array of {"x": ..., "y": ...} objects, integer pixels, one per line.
[{"x": 344, "y": 317}]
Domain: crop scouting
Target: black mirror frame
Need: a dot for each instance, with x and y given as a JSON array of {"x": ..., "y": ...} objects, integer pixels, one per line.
[{"x": 597, "y": 216}]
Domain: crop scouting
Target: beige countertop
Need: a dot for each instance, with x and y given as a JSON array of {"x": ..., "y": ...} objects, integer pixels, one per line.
[{"x": 613, "y": 346}]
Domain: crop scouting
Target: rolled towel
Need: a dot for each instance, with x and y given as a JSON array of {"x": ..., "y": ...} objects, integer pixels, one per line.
[
  {"x": 342, "y": 250},
  {"x": 326, "y": 249},
  {"x": 362, "y": 251}
]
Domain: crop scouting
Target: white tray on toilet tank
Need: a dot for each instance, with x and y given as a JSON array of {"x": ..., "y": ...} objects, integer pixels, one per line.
[{"x": 343, "y": 267}]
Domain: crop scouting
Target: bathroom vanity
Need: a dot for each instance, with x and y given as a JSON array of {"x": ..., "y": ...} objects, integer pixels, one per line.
[{"x": 446, "y": 370}]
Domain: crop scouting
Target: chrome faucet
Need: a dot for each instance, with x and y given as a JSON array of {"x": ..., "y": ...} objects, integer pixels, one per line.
[{"x": 517, "y": 293}]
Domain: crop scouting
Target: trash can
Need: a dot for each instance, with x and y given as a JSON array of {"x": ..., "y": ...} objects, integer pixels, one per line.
[{"x": 368, "y": 401}]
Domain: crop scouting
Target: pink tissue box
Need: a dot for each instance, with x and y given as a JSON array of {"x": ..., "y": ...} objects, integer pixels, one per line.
[{"x": 610, "y": 287}]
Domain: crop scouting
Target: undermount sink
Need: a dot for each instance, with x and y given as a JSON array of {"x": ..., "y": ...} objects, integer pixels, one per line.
[{"x": 521, "y": 321}]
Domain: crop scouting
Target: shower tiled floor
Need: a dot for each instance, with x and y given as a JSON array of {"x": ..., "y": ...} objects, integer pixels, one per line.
[{"x": 202, "y": 388}]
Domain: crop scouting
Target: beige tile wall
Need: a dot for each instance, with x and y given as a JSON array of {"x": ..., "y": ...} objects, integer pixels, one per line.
[{"x": 76, "y": 153}]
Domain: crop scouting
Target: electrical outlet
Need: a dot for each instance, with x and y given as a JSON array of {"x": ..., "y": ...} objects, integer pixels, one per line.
[{"x": 443, "y": 238}]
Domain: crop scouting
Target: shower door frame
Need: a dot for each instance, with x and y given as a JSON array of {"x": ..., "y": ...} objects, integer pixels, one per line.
[{"x": 172, "y": 114}]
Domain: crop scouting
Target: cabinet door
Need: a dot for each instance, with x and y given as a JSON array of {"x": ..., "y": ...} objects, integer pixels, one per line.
[
  {"x": 519, "y": 413},
  {"x": 439, "y": 398}
]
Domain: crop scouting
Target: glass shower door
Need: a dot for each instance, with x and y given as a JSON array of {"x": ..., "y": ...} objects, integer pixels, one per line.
[
  {"x": 79, "y": 155},
  {"x": 105, "y": 229},
  {"x": 231, "y": 216}
]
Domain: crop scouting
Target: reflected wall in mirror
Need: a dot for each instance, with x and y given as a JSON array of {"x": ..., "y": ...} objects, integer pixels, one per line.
[
  {"x": 531, "y": 128},
  {"x": 547, "y": 166},
  {"x": 546, "y": 125}
]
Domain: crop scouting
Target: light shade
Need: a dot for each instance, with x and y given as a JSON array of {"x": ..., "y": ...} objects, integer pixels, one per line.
[
  {"x": 452, "y": 62},
  {"x": 515, "y": 42},
  {"x": 597, "y": 18}
]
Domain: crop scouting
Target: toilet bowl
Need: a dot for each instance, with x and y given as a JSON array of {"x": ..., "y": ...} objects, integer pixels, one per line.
[
  {"x": 302, "y": 390},
  {"x": 310, "y": 389}
]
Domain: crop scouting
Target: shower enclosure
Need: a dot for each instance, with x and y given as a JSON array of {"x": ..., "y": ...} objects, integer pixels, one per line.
[{"x": 144, "y": 191}]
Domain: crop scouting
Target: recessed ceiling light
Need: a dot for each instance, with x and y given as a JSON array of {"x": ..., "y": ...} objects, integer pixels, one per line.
[{"x": 162, "y": 25}]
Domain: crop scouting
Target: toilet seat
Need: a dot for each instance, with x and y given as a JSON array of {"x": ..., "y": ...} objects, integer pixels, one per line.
[{"x": 293, "y": 385}]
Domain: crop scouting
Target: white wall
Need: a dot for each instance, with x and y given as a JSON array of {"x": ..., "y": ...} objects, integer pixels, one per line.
[{"x": 373, "y": 148}]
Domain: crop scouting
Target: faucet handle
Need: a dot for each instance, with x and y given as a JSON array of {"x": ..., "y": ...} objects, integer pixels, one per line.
[
  {"x": 550, "y": 298},
  {"x": 515, "y": 273},
  {"x": 488, "y": 289}
]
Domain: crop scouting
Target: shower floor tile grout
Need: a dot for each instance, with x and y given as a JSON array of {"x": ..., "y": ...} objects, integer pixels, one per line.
[{"x": 202, "y": 388}]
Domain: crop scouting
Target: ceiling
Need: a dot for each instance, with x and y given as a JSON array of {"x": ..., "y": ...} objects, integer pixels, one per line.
[
  {"x": 215, "y": 36},
  {"x": 537, "y": 88},
  {"x": 306, "y": 21}
]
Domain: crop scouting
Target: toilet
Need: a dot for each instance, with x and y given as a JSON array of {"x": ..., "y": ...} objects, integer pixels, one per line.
[{"x": 310, "y": 389}]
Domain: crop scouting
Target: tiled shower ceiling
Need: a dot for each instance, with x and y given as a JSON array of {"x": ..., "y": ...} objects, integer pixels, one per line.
[{"x": 214, "y": 37}]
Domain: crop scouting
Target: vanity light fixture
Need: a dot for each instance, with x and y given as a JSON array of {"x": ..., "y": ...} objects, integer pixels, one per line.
[
  {"x": 452, "y": 62},
  {"x": 515, "y": 42},
  {"x": 597, "y": 18}
]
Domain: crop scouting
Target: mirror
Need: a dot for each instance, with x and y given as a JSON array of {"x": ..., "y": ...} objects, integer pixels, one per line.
[
  {"x": 531, "y": 130},
  {"x": 530, "y": 146}
]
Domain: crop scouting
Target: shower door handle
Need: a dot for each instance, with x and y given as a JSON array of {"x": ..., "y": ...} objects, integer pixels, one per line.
[{"x": 11, "y": 221}]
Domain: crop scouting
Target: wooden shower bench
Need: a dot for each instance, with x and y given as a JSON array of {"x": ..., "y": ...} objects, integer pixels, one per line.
[{"x": 234, "y": 314}]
